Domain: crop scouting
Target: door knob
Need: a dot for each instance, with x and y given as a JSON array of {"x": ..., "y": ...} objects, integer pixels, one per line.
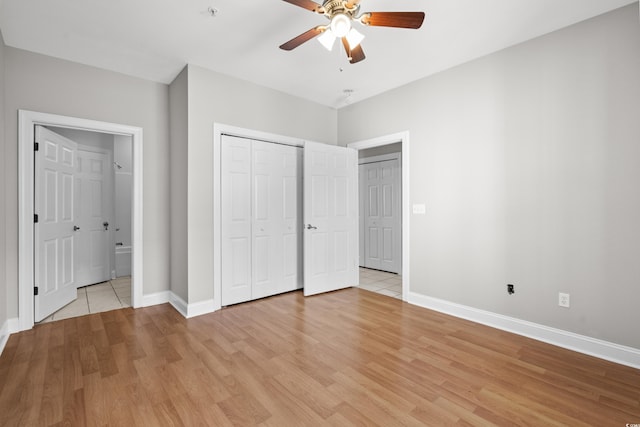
[
  {"x": 76, "y": 228},
  {"x": 311, "y": 227},
  {"x": 105, "y": 225}
]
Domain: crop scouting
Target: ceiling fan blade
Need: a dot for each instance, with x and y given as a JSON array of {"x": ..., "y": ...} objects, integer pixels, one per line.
[
  {"x": 304, "y": 37},
  {"x": 393, "y": 19},
  {"x": 356, "y": 54},
  {"x": 307, "y": 4}
]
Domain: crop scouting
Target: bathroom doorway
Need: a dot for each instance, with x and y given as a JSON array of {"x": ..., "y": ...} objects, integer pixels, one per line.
[
  {"x": 93, "y": 235},
  {"x": 29, "y": 292}
]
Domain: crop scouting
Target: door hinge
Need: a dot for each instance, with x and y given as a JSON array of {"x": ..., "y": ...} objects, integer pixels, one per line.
[
  {"x": 35, "y": 218},
  {"x": 35, "y": 290},
  {"x": 36, "y": 146}
]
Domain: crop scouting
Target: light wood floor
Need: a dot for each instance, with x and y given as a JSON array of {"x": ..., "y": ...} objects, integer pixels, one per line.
[{"x": 351, "y": 357}]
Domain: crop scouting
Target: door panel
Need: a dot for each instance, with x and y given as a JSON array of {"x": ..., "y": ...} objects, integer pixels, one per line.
[
  {"x": 236, "y": 220},
  {"x": 54, "y": 240},
  {"x": 331, "y": 215},
  {"x": 92, "y": 203},
  {"x": 265, "y": 196},
  {"x": 382, "y": 218}
]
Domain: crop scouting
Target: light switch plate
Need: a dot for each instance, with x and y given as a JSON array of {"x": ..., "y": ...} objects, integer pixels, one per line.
[{"x": 419, "y": 209}]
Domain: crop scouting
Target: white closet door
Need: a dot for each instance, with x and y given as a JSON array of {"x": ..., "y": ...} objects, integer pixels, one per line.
[
  {"x": 276, "y": 206},
  {"x": 290, "y": 164},
  {"x": 331, "y": 218},
  {"x": 236, "y": 220},
  {"x": 382, "y": 216},
  {"x": 261, "y": 215}
]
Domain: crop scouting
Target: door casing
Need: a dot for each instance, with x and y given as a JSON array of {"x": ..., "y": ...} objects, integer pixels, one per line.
[
  {"x": 26, "y": 124},
  {"x": 402, "y": 137}
]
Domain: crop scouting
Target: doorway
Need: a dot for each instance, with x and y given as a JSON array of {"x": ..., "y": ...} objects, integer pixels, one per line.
[
  {"x": 92, "y": 229},
  {"x": 28, "y": 120},
  {"x": 387, "y": 143}
]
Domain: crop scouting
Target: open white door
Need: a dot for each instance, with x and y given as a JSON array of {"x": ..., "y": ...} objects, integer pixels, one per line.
[
  {"x": 54, "y": 242},
  {"x": 330, "y": 218}
]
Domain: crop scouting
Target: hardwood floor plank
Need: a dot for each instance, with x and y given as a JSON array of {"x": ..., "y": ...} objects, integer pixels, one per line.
[{"x": 350, "y": 357}]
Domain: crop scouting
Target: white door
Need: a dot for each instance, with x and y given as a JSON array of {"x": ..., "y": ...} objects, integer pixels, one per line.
[
  {"x": 236, "y": 220},
  {"x": 93, "y": 192},
  {"x": 330, "y": 218},
  {"x": 55, "y": 163},
  {"x": 382, "y": 223},
  {"x": 276, "y": 241}
]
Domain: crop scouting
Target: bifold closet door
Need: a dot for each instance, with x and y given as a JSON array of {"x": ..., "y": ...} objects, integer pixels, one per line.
[
  {"x": 236, "y": 220},
  {"x": 261, "y": 214},
  {"x": 277, "y": 209}
]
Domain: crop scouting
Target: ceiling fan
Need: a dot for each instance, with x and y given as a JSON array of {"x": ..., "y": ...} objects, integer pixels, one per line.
[{"x": 342, "y": 13}]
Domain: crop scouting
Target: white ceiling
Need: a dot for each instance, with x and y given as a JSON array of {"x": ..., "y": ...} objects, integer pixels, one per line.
[{"x": 154, "y": 39}]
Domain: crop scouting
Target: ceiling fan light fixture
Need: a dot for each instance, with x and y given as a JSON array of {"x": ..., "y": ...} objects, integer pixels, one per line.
[
  {"x": 354, "y": 38},
  {"x": 327, "y": 39},
  {"x": 340, "y": 25}
]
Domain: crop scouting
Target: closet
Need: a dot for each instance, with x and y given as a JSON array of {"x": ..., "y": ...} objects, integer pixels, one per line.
[{"x": 261, "y": 218}]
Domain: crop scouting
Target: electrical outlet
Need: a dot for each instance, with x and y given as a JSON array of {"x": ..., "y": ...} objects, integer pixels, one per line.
[
  {"x": 510, "y": 289},
  {"x": 563, "y": 300}
]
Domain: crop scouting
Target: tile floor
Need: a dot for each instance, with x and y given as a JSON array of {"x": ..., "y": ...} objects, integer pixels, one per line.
[
  {"x": 384, "y": 283},
  {"x": 105, "y": 296}
]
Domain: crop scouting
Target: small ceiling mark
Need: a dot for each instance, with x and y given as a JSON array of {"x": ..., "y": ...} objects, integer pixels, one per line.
[{"x": 213, "y": 12}]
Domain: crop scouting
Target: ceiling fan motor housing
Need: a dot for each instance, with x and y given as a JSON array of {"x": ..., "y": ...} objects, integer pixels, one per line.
[{"x": 335, "y": 7}]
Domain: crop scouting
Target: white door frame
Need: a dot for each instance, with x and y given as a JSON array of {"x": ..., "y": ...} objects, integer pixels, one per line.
[
  {"x": 26, "y": 125},
  {"x": 402, "y": 137},
  {"x": 220, "y": 129}
]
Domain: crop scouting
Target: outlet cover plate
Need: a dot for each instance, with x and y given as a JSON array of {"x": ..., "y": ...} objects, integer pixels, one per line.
[{"x": 564, "y": 300}]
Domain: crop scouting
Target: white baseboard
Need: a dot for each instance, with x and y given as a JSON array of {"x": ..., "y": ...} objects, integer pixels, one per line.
[
  {"x": 187, "y": 310},
  {"x": 9, "y": 327},
  {"x": 192, "y": 310},
  {"x": 200, "y": 308},
  {"x": 155, "y": 299},
  {"x": 179, "y": 304},
  {"x": 623, "y": 355}
]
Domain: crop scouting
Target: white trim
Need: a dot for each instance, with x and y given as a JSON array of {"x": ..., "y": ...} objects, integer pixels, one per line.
[
  {"x": 380, "y": 158},
  {"x": 156, "y": 298},
  {"x": 201, "y": 307},
  {"x": 402, "y": 137},
  {"x": 220, "y": 129},
  {"x": 4, "y": 335},
  {"x": 583, "y": 344},
  {"x": 179, "y": 304},
  {"x": 9, "y": 327},
  {"x": 26, "y": 122},
  {"x": 191, "y": 310}
]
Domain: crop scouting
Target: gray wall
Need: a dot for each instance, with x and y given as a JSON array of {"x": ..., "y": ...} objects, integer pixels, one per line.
[
  {"x": 178, "y": 114},
  {"x": 528, "y": 161},
  {"x": 4, "y": 303},
  {"x": 41, "y": 83},
  {"x": 213, "y": 97}
]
